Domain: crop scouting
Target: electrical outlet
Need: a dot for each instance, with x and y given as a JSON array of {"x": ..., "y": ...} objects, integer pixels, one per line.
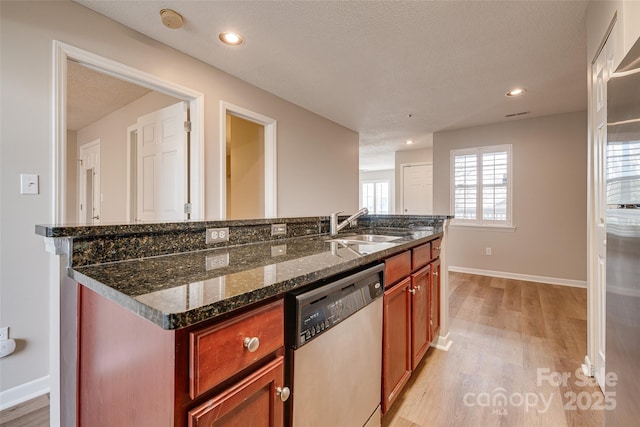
[
  {"x": 487, "y": 251},
  {"x": 217, "y": 235},
  {"x": 278, "y": 229},
  {"x": 4, "y": 333},
  {"x": 216, "y": 261}
]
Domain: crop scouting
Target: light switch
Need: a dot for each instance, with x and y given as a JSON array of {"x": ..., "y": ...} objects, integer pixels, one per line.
[{"x": 29, "y": 184}]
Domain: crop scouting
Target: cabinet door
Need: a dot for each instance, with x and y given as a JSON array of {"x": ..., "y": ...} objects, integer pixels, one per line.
[
  {"x": 254, "y": 401},
  {"x": 396, "y": 348},
  {"x": 420, "y": 314},
  {"x": 434, "y": 317}
]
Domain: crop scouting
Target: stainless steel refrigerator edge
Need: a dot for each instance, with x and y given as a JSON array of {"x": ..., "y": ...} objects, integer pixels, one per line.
[{"x": 623, "y": 242}]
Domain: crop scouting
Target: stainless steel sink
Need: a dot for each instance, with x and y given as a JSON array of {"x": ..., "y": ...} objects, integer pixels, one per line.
[{"x": 360, "y": 239}]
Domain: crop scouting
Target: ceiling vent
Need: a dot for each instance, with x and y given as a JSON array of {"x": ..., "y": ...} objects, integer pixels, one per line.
[{"x": 517, "y": 114}]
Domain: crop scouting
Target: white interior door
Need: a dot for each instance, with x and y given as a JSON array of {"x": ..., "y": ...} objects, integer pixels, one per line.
[
  {"x": 89, "y": 193},
  {"x": 601, "y": 71},
  {"x": 162, "y": 172},
  {"x": 417, "y": 189}
]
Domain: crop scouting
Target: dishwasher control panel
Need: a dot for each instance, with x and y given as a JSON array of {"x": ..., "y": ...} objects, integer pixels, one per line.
[{"x": 321, "y": 309}]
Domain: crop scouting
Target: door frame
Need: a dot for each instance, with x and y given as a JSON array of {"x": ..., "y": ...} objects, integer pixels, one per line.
[
  {"x": 59, "y": 283},
  {"x": 402, "y": 167},
  {"x": 270, "y": 157},
  {"x": 82, "y": 183}
]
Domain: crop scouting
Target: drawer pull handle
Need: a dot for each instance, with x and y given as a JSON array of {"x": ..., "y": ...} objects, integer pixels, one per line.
[
  {"x": 251, "y": 344},
  {"x": 283, "y": 393}
]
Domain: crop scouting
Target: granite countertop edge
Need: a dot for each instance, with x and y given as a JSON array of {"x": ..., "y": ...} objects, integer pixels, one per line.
[{"x": 173, "y": 321}]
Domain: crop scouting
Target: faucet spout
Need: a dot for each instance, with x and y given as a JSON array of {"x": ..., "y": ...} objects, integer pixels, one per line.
[{"x": 334, "y": 227}]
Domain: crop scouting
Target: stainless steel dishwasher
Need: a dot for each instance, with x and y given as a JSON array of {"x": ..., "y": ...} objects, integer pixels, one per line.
[{"x": 334, "y": 337}]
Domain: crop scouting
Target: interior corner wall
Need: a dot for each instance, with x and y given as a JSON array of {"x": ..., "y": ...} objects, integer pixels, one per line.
[
  {"x": 317, "y": 159},
  {"x": 549, "y": 198},
  {"x": 424, "y": 155}
]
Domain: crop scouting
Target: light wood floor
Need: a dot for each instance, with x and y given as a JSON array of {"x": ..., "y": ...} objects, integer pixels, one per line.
[
  {"x": 34, "y": 413},
  {"x": 503, "y": 332}
]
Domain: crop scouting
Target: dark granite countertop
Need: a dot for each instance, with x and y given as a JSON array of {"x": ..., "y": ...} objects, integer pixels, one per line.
[
  {"x": 168, "y": 273},
  {"x": 176, "y": 291}
]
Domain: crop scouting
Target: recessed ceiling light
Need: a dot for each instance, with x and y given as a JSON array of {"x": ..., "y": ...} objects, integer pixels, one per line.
[
  {"x": 231, "y": 38},
  {"x": 516, "y": 92},
  {"x": 409, "y": 142}
]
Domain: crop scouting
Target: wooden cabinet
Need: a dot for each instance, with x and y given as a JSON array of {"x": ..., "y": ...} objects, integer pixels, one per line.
[
  {"x": 132, "y": 372},
  {"x": 396, "y": 339},
  {"x": 411, "y": 319},
  {"x": 254, "y": 401},
  {"x": 222, "y": 350},
  {"x": 420, "y": 314},
  {"x": 434, "y": 315}
]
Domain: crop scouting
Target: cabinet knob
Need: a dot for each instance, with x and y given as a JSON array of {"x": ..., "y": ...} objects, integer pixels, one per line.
[
  {"x": 251, "y": 344},
  {"x": 435, "y": 273},
  {"x": 437, "y": 248},
  {"x": 283, "y": 393},
  {"x": 418, "y": 287},
  {"x": 412, "y": 291}
]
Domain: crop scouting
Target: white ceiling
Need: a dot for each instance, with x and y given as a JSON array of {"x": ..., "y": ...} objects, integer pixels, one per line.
[
  {"x": 92, "y": 95},
  {"x": 369, "y": 65}
]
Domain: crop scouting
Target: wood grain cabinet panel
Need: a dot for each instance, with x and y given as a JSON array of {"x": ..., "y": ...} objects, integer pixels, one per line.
[
  {"x": 397, "y": 268},
  {"x": 420, "y": 312},
  {"x": 396, "y": 341},
  {"x": 420, "y": 256},
  {"x": 220, "y": 351},
  {"x": 434, "y": 315},
  {"x": 254, "y": 401}
]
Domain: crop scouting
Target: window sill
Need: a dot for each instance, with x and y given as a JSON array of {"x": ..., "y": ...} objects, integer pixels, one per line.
[{"x": 476, "y": 227}]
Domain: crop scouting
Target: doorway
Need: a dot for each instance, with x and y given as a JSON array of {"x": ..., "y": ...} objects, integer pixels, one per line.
[
  {"x": 264, "y": 183},
  {"x": 245, "y": 168},
  {"x": 417, "y": 189}
]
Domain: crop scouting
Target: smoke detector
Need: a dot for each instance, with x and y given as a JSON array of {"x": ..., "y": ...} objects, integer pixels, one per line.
[{"x": 171, "y": 19}]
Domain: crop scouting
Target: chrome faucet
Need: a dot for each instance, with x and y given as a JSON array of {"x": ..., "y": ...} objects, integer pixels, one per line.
[{"x": 334, "y": 227}]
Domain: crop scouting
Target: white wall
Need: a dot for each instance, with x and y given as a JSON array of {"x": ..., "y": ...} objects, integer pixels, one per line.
[
  {"x": 549, "y": 198},
  {"x": 317, "y": 159},
  {"x": 112, "y": 132}
]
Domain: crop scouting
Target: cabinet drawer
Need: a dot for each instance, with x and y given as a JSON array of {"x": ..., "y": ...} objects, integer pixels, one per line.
[
  {"x": 435, "y": 248},
  {"x": 397, "y": 267},
  {"x": 420, "y": 256},
  {"x": 220, "y": 351},
  {"x": 252, "y": 401}
]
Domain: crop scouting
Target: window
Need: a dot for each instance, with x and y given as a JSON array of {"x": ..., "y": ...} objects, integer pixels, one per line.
[
  {"x": 375, "y": 196},
  {"x": 481, "y": 185}
]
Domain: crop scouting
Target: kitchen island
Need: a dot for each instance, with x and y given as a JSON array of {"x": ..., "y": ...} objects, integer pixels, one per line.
[{"x": 152, "y": 295}]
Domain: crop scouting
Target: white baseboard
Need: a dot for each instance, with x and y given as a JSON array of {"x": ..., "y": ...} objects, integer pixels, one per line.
[
  {"x": 24, "y": 392},
  {"x": 587, "y": 367},
  {"x": 443, "y": 343},
  {"x": 525, "y": 277}
]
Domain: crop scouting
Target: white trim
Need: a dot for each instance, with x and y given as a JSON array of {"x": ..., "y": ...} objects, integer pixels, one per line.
[
  {"x": 270, "y": 157},
  {"x": 476, "y": 227},
  {"x": 61, "y": 53},
  {"x": 405, "y": 165},
  {"x": 587, "y": 367},
  {"x": 130, "y": 130},
  {"x": 24, "y": 392},
  {"x": 518, "y": 276},
  {"x": 443, "y": 343}
]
